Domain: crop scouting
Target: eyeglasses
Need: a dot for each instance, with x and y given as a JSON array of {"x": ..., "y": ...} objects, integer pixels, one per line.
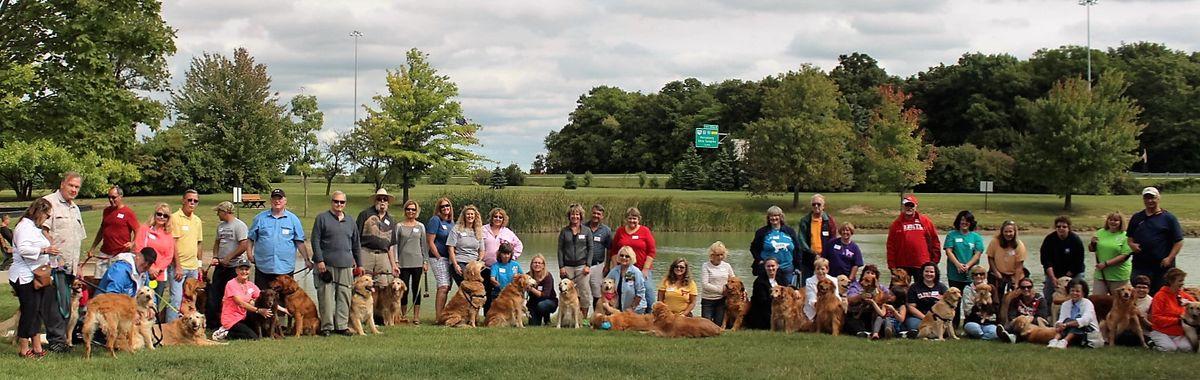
[
  {"x": 1027, "y": 287},
  {"x": 192, "y": 200},
  {"x": 1062, "y": 226},
  {"x": 381, "y": 200},
  {"x": 162, "y": 215},
  {"x": 681, "y": 267},
  {"x": 338, "y": 202},
  {"x": 625, "y": 256},
  {"x": 443, "y": 206},
  {"x": 410, "y": 209},
  {"x": 497, "y": 217},
  {"x": 112, "y": 197}
]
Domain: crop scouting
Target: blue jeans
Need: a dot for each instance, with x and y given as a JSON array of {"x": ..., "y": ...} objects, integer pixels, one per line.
[
  {"x": 539, "y": 311},
  {"x": 651, "y": 290},
  {"x": 975, "y": 330},
  {"x": 713, "y": 310},
  {"x": 911, "y": 324},
  {"x": 172, "y": 312},
  {"x": 786, "y": 275}
]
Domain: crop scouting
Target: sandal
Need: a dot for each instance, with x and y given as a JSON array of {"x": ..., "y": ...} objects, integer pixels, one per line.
[{"x": 416, "y": 322}]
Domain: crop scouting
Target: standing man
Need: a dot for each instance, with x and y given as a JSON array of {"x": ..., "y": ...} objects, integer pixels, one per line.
[
  {"x": 335, "y": 249},
  {"x": 1155, "y": 237},
  {"x": 602, "y": 237},
  {"x": 188, "y": 231},
  {"x": 376, "y": 238},
  {"x": 815, "y": 229},
  {"x": 912, "y": 240},
  {"x": 1062, "y": 255},
  {"x": 67, "y": 233},
  {"x": 6, "y": 236},
  {"x": 277, "y": 236},
  {"x": 118, "y": 227},
  {"x": 230, "y": 247}
]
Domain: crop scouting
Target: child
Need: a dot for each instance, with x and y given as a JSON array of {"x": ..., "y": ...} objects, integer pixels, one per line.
[
  {"x": 1141, "y": 290},
  {"x": 895, "y": 312},
  {"x": 820, "y": 270},
  {"x": 1076, "y": 318},
  {"x": 504, "y": 269}
]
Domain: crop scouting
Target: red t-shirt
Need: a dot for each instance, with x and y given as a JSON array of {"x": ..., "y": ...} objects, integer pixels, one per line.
[
  {"x": 116, "y": 226},
  {"x": 641, "y": 240}
]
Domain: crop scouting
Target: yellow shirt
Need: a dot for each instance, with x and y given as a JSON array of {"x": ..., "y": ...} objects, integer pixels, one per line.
[
  {"x": 188, "y": 233},
  {"x": 817, "y": 239},
  {"x": 1005, "y": 259},
  {"x": 677, "y": 297}
]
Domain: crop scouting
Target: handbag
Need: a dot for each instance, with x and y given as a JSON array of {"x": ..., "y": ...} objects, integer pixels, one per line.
[{"x": 41, "y": 277}]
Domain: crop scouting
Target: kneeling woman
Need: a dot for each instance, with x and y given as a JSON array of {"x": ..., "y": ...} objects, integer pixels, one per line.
[
  {"x": 239, "y": 299},
  {"x": 543, "y": 300}
]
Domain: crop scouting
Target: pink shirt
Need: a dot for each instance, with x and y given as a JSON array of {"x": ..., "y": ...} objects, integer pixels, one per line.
[
  {"x": 491, "y": 244},
  {"x": 163, "y": 243},
  {"x": 231, "y": 312}
]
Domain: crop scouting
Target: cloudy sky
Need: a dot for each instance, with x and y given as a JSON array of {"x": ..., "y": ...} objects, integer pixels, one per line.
[{"x": 520, "y": 65}]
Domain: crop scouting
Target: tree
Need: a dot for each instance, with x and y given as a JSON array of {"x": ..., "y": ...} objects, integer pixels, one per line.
[
  {"x": 723, "y": 172},
  {"x": 418, "y": 122},
  {"x": 368, "y": 155},
  {"x": 26, "y": 166},
  {"x": 1165, "y": 83},
  {"x": 587, "y": 178},
  {"x": 895, "y": 158},
  {"x": 306, "y": 120},
  {"x": 514, "y": 176},
  {"x": 688, "y": 173},
  {"x": 799, "y": 141},
  {"x": 1080, "y": 139},
  {"x": 170, "y": 164},
  {"x": 569, "y": 181},
  {"x": 539, "y": 165},
  {"x": 958, "y": 169},
  {"x": 498, "y": 180},
  {"x": 334, "y": 160},
  {"x": 972, "y": 100}
]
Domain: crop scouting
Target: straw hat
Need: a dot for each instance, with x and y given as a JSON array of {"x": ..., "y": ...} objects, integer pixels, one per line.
[{"x": 383, "y": 193}]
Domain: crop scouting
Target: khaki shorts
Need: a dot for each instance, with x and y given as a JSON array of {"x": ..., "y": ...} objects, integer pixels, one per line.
[
  {"x": 582, "y": 283},
  {"x": 376, "y": 264}
]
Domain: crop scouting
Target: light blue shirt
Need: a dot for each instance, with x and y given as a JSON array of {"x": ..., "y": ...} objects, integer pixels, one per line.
[
  {"x": 779, "y": 246},
  {"x": 632, "y": 284},
  {"x": 275, "y": 241}
]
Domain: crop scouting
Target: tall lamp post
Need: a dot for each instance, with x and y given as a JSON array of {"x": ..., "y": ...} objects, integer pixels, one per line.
[
  {"x": 356, "y": 34},
  {"x": 1088, "y": 4}
]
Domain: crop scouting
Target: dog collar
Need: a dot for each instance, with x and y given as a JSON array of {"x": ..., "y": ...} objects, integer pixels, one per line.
[{"x": 610, "y": 296}]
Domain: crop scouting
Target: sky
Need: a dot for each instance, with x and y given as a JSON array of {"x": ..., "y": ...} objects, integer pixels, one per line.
[{"x": 521, "y": 65}]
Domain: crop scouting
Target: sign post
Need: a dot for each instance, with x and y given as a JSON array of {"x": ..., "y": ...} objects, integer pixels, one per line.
[
  {"x": 708, "y": 136},
  {"x": 985, "y": 187}
]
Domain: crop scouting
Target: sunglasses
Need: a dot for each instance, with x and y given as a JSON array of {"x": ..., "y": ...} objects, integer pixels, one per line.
[
  {"x": 192, "y": 200},
  {"x": 497, "y": 217},
  {"x": 337, "y": 202},
  {"x": 625, "y": 256},
  {"x": 112, "y": 197},
  {"x": 1026, "y": 287},
  {"x": 381, "y": 200},
  {"x": 680, "y": 267},
  {"x": 1062, "y": 226},
  {"x": 910, "y": 205},
  {"x": 444, "y": 206},
  {"x": 978, "y": 274},
  {"x": 410, "y": 209},
  {"x": 162, "y": 215},
  {"x": 817, "y": 205}
]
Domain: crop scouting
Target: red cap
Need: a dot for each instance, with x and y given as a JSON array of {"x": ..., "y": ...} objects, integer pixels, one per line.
[{"x": 909, "y": 199}]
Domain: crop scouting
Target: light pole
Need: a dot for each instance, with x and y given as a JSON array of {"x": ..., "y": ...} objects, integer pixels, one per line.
[
  {"x": 356, "y": 34},
  {"x": 1089, "y": 4}
]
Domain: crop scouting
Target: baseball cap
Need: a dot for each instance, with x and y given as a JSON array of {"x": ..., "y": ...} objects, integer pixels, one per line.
[
  {"x": 1151, "y": 191},
  {"x": 225, "y": 206},
  {"x": 908, "y": 199},
  {"x": 239, "y": 262},
  {"x": 277, "y": 193}
]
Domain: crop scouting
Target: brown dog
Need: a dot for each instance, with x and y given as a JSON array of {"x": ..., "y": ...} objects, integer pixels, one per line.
[
  {"x": 474, "y": 271},
  {"x": 1031, "y": 332},
  {"x": 569, "y": 314},
  {"x": 115, "y": 315},
  {"x": 899, "y": 277},
  {"x": 267, "y": 299},
  {"x": 143, "y": 336},
  {"x": 736, "y": 303},
  {"x": 671, "y": 325},
  {"x": 387, "y": 302},
  {"x": 831, "y": 312},
  {"x": 508, "y": 309},
  {"x": 463, "y": 308},
  {"x": 193, "y": 290},
  {"x": 1123, "y": 317},
  {"x": 362, "y": 305},
  {"x": 787, "y": 310},
  {"x": 939, "y": 321},
  {"x": 1102, "y": 304},
  {"x": 608, "y": 295},
  {"x": 188, "y": 330},
  {"x": 1060, "y": 295},
  {"x": 1191, "y": 323},
  {"x": 624, "y": 321},
  {"x": 76, "y": 297},
  {"x": 303, "y": 310}
]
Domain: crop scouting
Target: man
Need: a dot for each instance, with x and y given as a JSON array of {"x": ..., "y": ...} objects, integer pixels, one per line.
[
  {"x": 1062, "y": 255},
  {"x": 67, "y": 233},
  {"x": 912, "y": 240},
  {"x": 602, "y": 237},
  {"x": 1155, "y": 237},
  {"x": 118, "y": 227},
  {"x": 188, "y": 230},
  {"x": 335, "y": 249},
  {"x": 231, "y": 246},
  {"x": 277, "y": 236},
  {"x": 6, "y": 236},
  {"x": 128, "y": 272},
  {"x": 374, "y": 255},
  {"x": 814, "y": 230}
]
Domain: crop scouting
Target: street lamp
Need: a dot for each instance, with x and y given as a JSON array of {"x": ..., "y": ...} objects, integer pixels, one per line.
[
  {"x": 1089, "y": 4},
  {"x": 356, "y": 34}
]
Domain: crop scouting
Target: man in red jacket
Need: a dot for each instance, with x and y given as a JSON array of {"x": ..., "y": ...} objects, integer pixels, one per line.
[{"x": 912, "y": 240}]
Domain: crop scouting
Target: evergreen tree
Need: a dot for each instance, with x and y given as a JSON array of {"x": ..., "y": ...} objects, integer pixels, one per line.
[{"x": 498, "y": 179}]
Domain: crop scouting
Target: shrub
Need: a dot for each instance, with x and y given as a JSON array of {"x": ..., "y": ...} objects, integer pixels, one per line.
[
  {"x": 438, "y": 175},
  {"x": 654, "y": 182},
  {"x": 481, "y": 176},
  {"x": 587, "y": 178},
  {"x": 641, "y": 179},
  {"x": 569, "y": 181},
  {"x": 514, "y": 175}
]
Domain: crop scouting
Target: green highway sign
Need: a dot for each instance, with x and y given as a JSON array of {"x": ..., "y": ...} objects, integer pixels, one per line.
[{"x": 708, "y": 137}]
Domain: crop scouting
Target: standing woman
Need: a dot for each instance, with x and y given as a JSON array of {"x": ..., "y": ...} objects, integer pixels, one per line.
[
  {"x": 778, "y": 241},
  {"x": 1006, "y": 257},
  {"x": 964, "y": 249},
  {"x": 32, "y": 249},
  {"x": 1112, "y": 255},
  {"x": 156, "y": 234},
  {"x": 638, "y": 237},
  {"x": 678, "y": 290},
  {"x": 714, "y": 274},
  {"x": 410, "y": 249},
  {"x": 543, "y": 301},
  {"x": 845, "y": 258},
  {"x": 437, "y": 231},
  {"x": 575, "y": 255},
  {"x": 495, "y": 233},
  {"x": 464, "y": 241}
]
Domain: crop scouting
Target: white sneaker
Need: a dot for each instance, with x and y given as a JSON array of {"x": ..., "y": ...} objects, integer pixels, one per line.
[
  {"x": 1053, "y": 342},
  {"x": 220, "y": 334},
  {"x": 1062, "y": 343}
]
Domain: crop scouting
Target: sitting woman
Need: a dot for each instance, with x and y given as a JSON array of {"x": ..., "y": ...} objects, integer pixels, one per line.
[
  {"x": 1165, "y": 312},
  {"x": 543, "y": 300},
  {"x": 759, "y": 316},
  {"x": 1076, "y": 319},
  {"x": 867, "y": 299},
  {"x": 1024, "y": 301},
  {"x": 820, "y": 270},
  {"x": 982, "y": 321},
  {"x": 239, "y": 299},
  {"x": 922, "y": 295},
  {"x": 678, "y": 290},
  {"x": 631, "y": 285}
]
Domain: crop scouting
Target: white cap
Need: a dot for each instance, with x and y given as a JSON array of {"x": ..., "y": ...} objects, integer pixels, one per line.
[{"x": 1150, "y": 190}]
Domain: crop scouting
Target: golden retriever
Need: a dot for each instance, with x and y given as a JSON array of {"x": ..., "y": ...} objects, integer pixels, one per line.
[
  {"x": 843, "y": 286},
  {"x": 474, "y": 271},
  {"x": 463, "y": 308},
  {"x": 193, "y": 292},
  {"x": 736, "y": 303},
  {"x": 623, "y": 321},
  {"x": 1060, "y": 295},
  {"x": 1191, "y": 323},
  {"x": 939, "y": 321},
  {"x": 144, "y": 326},
  {"x": 508, "y": 309},
  {"x": 115, "y": 315},
  {"x": 264, "y": 326},
  {"x": 304, "y": 319},
  {"x": 387, "y": 302},
  {"x": 899, "y": 277},
  {"x": 1031, "y": 332},
  {"x": 671, "y": 325},
  {"x": 831, "y": 312},
  {"x": 608, "y": 295},
  {"x": 787, "y": 310},
  {"x": 188, "y": 330},
  {"x": 362, "y": 305},
  {"x": 1123, "y": 317},
  {"x": 568, "y": 305},
  {"x": 73, "y": 318}
]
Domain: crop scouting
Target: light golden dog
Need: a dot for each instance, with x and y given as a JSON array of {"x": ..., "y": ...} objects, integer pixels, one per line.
[
  {"x": 787, "y": 310},
  {"x": 568, "y": 305},
  {"x": 736, "y": 303},
  {"x": 115, "y": 315},
  {"x": 387, "y": 302},
  {"x": 899, "y": 277},
  {"x": 144, "y": 326},
  {"x": 831, "y": 312},
  {"x": 1060, "y": 295},
  {"x": 671, "y": 325},
  {"x": 508, "y": 309},
  {"x": 1191, "y": 323},
  {"x": 1123, "y": 317},
  {"x": 474, "y": 271},
  {"x": 188, "y": 330},
  {"x": 623, "y": 321},
  {"x": 608, "y": 294},
  {"x": 939, "y": 321},
  {"x": 843, "y": 288},
  {"x": 304, "y": 319},
  {"x": 73, "y": 318},
  {"x": 1030, "y": 331},
  {"x": 362, "y": 305},
  {"x": 463, "y": 308}
]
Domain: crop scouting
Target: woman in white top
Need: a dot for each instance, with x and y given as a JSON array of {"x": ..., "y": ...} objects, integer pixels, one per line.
[
  {"x": 32, "y": 249},
  {"x": 820, "y": 270},
  {"x": 1076, "y": 319},
  {"x": 714, "y": 274}
]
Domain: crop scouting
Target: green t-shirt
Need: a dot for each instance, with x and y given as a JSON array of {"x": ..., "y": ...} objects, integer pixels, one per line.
[
  {"x": 1109, "y": 245},
  {"x": 964, "y": 246}
]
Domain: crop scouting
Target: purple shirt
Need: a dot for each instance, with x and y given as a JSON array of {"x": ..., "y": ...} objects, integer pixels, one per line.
[{"x": 841, "y": 256}]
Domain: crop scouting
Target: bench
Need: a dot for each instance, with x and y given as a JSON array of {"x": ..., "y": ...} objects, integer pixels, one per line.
[{"x": 253, "y": 201}]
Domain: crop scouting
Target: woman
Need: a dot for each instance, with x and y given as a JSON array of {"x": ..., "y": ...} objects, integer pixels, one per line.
[
  {"x": 1006, "y": 256},
  {"x": 678, "y": 290},
  {"x": 714, "y": 274},
  {"x": 922, "y": 295},
  {"x": 239, "y": 299},
  {"x": 409, "y": 251},
  {"x": 437, "y": 231},
  {"x": 1028, "y": 302},
  {"x": 156, "y": 234},
  {"x": 866, "y": 298},
  {"x": 843, "y": 253},
  {"x": 464, "y": 242},
  {"x": 759, "y": 316},
  {"x": 1076, "y": 318},
  {"x": 1112, "y": 255},
  {"x": 495, "y": 233},
  {"x": 820, "y": 271},
  {"x": 543, "y": 300},
  {"x": 776, "y": 240},
  {"x": 1165, "y": 312},
  {"x": 638, "y": 237},
  {"x": 631, "y": 284},
  {"x": 964, "y": 248},
  {"x": 31, "y": 250},
  {"x": 575, "y": 255}
]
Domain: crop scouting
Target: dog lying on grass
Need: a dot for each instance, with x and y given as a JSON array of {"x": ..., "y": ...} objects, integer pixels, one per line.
[{"x": 671, "y": 325}]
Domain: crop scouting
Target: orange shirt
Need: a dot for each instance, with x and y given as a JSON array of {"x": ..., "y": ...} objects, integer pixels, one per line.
[
  {"x": 1165, "y": 310},
  {"x": 817, "y": 239}
]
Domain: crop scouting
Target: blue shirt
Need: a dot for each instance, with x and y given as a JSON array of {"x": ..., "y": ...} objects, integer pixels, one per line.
[
  {"x": 275, "y": 241},
  {"x": 1156, "y": 234},
  {"x": 632, "y": 284},
  {"x": 779, "y": 246},
  {"x": 841, "y": 257},
  {"x": 118, "y": 279},
  {"x": 441, "y": 230},
  {"x": 601, "y": 240},
  {"x": 964, "y": 248},
  {"x": 503, "y": 273}
]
